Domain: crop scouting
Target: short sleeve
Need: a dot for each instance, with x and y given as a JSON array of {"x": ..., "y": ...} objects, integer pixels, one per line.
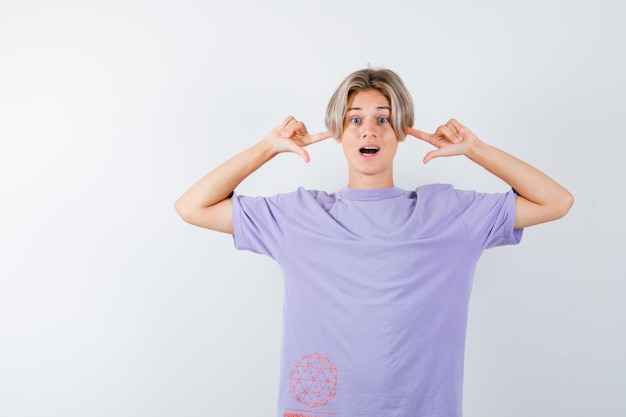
[
  {"x": 259, "y": 223},
  {"x": 489, "y": 218}
]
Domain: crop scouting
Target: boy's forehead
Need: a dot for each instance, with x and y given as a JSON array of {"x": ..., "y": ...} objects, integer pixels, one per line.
[{"x": 370, "y": 99}]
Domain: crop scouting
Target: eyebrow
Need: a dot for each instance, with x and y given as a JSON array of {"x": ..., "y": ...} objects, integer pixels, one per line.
[{"x": 378, "y": 108}]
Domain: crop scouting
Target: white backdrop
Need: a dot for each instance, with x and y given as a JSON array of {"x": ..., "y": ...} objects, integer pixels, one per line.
[{"x": 110, "y": 305}]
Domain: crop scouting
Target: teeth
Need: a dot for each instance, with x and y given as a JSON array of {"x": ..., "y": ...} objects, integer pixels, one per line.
[{"x": 369, "y": 150}]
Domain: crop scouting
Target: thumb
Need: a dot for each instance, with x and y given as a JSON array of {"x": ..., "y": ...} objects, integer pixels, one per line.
[
  {"x": 305, "y": 155},
  {"x": 297, "y": 149},
  {"x": 433, "y": 154},
  {"x": 302, "y": 152}
]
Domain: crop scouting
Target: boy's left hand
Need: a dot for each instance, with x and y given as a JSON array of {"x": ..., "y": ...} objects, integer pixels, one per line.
[{"x": 450, "y": 139}]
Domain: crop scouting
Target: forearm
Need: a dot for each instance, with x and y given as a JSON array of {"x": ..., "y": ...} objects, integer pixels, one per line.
[
  {"x": 218, "y": 184},
  {"x": 547, "y": 199}
]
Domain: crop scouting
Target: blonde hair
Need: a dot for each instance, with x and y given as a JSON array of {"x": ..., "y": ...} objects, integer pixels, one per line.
[{"x": 383, "y": 80}]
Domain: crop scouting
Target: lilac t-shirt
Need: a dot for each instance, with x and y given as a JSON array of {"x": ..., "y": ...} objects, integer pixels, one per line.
[{"x": 377, "y": 286}]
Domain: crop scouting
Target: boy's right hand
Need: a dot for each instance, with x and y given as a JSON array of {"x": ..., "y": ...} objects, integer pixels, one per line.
[{"x": 292, "y": 136}]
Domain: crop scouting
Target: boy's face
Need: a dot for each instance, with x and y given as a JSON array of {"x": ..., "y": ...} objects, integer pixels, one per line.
[{"x": 369, "y": 142}]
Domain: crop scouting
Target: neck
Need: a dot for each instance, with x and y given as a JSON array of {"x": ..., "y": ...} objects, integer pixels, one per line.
[{"x": 365, "y": 182}]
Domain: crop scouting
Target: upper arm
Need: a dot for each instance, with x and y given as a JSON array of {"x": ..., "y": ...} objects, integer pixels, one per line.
[
  {"x": 529, "y": 213},
  {"x": 218, "y": 217}
]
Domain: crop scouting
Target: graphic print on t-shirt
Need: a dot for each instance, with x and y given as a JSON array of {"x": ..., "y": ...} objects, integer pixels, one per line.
[{"x": 313, "y": 380}]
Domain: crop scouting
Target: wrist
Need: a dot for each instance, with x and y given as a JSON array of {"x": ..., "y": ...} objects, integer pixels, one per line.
[
  {"x": 266, "y": 149},
  {"x": 477, "y": 151}
]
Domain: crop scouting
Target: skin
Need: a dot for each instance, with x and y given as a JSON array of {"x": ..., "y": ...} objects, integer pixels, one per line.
[
  {"x": 206, "y": 203},
  {"x": 367, "y": 124}
]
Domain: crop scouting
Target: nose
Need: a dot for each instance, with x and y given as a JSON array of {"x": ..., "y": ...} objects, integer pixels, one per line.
[{"x": 369, "y": 127}]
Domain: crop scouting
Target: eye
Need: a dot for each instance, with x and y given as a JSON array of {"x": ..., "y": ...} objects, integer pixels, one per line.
[
  {"x": 355, "y": 120},
  {"x": 383, "y": 119}
]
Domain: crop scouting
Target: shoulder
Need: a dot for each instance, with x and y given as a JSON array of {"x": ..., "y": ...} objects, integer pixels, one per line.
[
  {"x": 300, "y": 196},
  {"x": 437, "y": 193},
  {"x": 447, "y": 192},
  {"x": 447, "y": 198},
  {"x": 434, "y": 189}
]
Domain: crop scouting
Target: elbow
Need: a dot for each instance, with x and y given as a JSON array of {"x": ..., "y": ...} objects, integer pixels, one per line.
[
  {"x": 567, "y": 203},
  {"x": 530, "y": 213},
  {"x": 564, "y": 205},
  {"x": 183, "y": 210}
]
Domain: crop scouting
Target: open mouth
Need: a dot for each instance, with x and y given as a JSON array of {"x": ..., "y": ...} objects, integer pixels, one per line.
[{"x": 368, "y": 150}]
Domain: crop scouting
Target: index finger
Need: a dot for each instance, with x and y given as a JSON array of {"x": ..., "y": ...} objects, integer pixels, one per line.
[
  {"x": 419, "y": 134},
  {"x": 317, "y": 137}
]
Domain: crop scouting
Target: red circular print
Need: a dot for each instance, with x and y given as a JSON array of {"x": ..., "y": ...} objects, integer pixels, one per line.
[{"x": 313, "y": 380}]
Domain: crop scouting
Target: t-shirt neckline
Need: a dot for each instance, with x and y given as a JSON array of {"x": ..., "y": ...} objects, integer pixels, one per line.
[{"x": 367, "y": 194}]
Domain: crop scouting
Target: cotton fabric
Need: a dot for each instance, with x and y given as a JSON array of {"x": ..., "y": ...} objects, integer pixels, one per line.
[{"x": 377, "y": 287}]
